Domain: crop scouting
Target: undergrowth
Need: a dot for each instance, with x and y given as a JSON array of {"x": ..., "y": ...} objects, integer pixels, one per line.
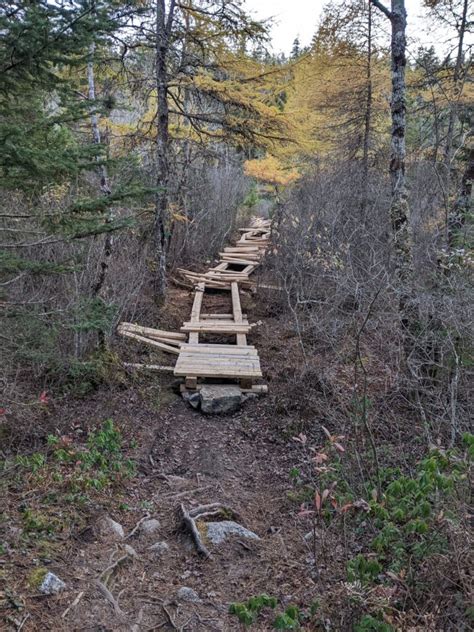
[{"x": 402, "y": 524}]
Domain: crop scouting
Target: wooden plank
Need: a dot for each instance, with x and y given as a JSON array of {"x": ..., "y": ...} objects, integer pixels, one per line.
[
  {"x": 210, "y": 322},
  {"x": 244, "y": 262},
  {"x": 249, "y": 249},
  {"x": 220, "y": 375},
  {"x": 196, "y": 310},
  {"x": 221, "y": 266},
  {"x": 214, "y": 371},
  {"x": 198, "y": 279},
  {"x": 216, "y": 328},
  {"x": 191, "y": 383},
  {"x": 218, "y": 346},
  {"x": 259, "y": 389},
  {"x": 224, "y": 274},
  {"x": 237, "y": 310},
  {"x": 217, "y": 316},
  {"x": 235, "y": 371},
  {"x": 249, "y": 269},
  {"x": 148, "y": 367},
  {"x": 239, "y": 255},
  {"x": 149, "y": 341},
  {"x": 250, "y": 353},
  {"x": 151, "y": 332},
  {"x": 253, "y": 363}
]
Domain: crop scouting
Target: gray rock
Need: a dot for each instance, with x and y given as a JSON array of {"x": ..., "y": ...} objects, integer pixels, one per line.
[
  {"x": 193, "y": 398},
  {"x": 249, "y": 397},
  {"x": 187, "y": 594},
  {"x": 51, "y": 584},
  {"x": 159, "y": 548},
  {"x": 220, "y": 399},
  {"x": 130, "y": 551},
  {"x": 110, "y": 527},
  {"x": 217, "y": 532},
  {"x": 149, "y": 526}
]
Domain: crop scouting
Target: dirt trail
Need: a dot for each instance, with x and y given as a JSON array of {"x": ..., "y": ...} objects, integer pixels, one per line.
[
  {"x": 185, "y": 457},
  {"x": 195, "y": 460}
]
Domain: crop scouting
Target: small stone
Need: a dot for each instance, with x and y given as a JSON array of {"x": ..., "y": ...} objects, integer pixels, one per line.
[
  {"x": 51, "y": 584},
  {"x": 248, "y": 396},
  {"x": 149, "y": 526},
  {"x": 130, "y": 551},
  {"x": 193, "y": 399},
  {"x": 220, "y": 399},
  {"x": 159, "y": 548},
  {"x": 217, "y": 532},
  {"x": 188, "y": 594},
  {"x": 110, "y": 527}
]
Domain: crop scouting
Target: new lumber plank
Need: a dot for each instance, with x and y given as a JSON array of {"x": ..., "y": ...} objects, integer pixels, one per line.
[
  {"x": 216, "y": 328},
  {"x": 237, "y": 310},
  {"x": 151, "y": 331},
  {"x": 228, "y": 351},
  {"x": 149, "y": 341}
]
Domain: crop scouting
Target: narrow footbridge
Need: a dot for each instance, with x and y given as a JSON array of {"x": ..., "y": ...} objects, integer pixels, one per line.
[{"x": 199, "y": 359}]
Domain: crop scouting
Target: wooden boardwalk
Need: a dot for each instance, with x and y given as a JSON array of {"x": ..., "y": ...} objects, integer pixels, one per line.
[{"x": 198, "y": 359}]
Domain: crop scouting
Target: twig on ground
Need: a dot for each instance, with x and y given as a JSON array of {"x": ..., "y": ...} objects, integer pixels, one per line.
[
  {"x": 186, "y": 492},
  {"x": 108, "y": 572},
  {"x": 137, "y": 526},
  {"x": 80, "y": 595},
  {"x": 110, "y": 598},
  {"x": 170, "y": 618}
]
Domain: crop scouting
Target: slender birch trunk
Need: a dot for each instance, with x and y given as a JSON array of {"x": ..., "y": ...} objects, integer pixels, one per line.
[
  {"x": 399, "y": 210},
  {"x": 368, "y": 111}
]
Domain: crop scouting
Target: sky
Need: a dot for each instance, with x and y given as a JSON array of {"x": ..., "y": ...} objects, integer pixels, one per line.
[{"x": 300, "y": 18}]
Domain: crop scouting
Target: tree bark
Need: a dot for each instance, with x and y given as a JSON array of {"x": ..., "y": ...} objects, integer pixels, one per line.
[
  {"x": 160, "y": 237},
  {"x": 368, "y": 111},
  {"x": 463, "y": 205},
  {"x": 399, "y": 209},
  {"x": 456, "y": 79},
  {"x": 105, "y": 188}
]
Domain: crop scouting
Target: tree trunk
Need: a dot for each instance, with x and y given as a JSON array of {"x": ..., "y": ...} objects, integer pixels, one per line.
[
  {"x": 399, "y": 212},
  {"x": 462, "y": 206},
  {"x": 105, "y": 188},
  {"x": 368, "y": 112},
  {"x": 456, "y": 79},
  {"x": 161, "y": 224}
]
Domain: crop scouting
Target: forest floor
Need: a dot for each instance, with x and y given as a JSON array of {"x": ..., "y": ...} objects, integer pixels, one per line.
[
  {"x": 260, "y": 462},
  {"x": 181, "y": 457}
]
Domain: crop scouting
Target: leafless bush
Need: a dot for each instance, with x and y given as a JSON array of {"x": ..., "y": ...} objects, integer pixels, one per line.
[
  {"x": 211, "y": 197},
  {"x": 334, "y": 265}
]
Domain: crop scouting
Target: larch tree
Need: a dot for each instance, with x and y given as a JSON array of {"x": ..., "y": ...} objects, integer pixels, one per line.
[{"x": 205, "y": 88}]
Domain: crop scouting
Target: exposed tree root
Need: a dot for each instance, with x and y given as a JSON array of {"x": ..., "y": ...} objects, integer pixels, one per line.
[{"x": 190, "y": 517}]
